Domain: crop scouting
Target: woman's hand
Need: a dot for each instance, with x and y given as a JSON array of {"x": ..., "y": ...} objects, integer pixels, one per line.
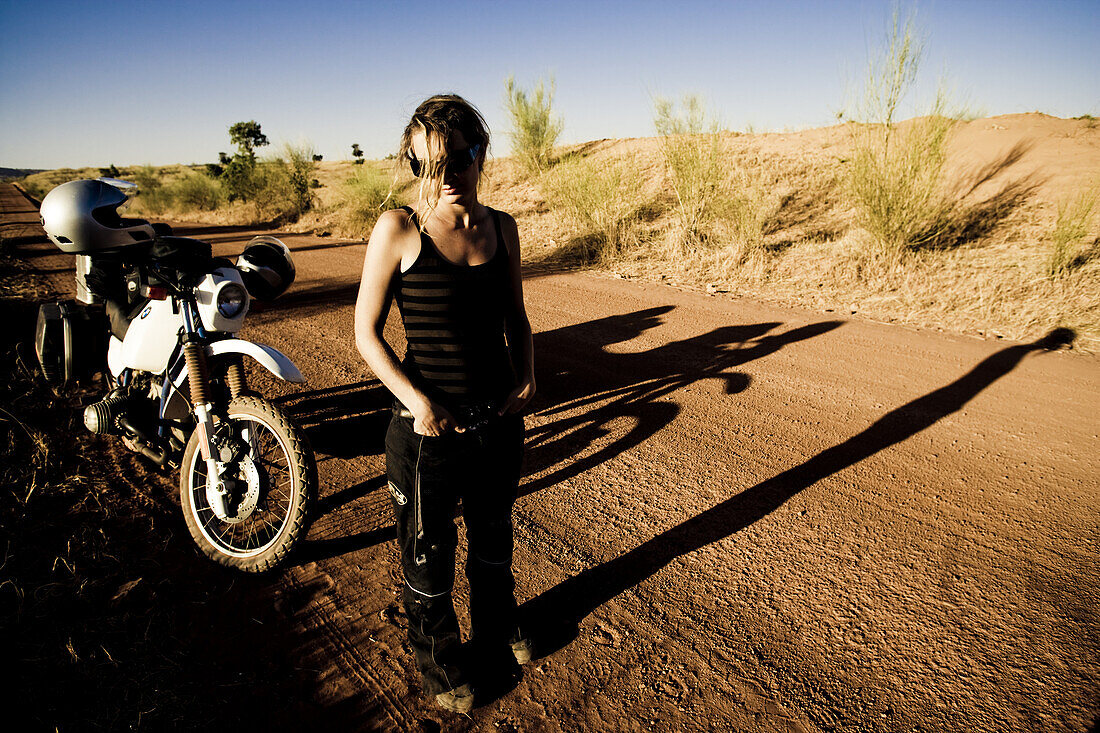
[
  {"x": 433, "y": 420},
  {"x": 519, "y": 397}
]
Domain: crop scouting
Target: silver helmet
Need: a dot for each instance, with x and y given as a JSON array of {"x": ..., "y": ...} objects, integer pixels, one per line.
[{"x": 81, "y": 217}]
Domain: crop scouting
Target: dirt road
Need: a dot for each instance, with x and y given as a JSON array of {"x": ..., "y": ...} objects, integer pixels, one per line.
[{"x": 733, "y": 517}]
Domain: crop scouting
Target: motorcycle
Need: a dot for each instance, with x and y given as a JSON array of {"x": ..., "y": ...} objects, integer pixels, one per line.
[{"x": 175, "y": 368}]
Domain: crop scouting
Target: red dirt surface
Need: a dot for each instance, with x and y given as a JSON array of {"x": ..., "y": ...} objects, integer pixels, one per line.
[{"x": 733, "y": 517}]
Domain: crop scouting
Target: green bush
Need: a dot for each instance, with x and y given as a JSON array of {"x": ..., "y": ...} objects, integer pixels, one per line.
[
  {"x": 690, "y": 147},
  {"x": 242, "y": 182},
  {"x": 300, "y": 166},
  {"x": 275, "y": 199},
  {"x": 535, "y": 130}
]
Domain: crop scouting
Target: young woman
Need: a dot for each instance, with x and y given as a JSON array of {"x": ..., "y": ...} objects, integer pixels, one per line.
[{"x": 453, "y": 266}]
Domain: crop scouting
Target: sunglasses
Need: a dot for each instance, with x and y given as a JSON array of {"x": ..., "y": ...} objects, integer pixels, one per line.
[{"x": 456, "y": 161}]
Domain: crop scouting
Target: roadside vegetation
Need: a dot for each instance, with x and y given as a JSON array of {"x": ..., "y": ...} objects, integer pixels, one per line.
[
  {"x": 597, "y": 200},
  {"x": 878, "y": 216},
  {"x": 877, "y": 219},
  {"x": 691, "y": 148}
]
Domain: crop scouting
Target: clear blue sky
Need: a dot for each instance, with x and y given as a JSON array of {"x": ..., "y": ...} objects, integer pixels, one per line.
[{"x": 93, "y": 83}]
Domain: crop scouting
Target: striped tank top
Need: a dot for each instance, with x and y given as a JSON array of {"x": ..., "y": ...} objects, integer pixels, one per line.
[{"x": 454, "y": 318}]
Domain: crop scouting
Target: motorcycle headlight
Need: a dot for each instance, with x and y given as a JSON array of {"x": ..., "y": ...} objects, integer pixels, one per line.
[{"x": 231, "y": 300}]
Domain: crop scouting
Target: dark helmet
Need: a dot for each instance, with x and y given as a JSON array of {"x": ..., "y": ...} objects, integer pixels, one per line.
[
  {"x": 266, "y": 268},
  {"x": 81, "y": 217}
]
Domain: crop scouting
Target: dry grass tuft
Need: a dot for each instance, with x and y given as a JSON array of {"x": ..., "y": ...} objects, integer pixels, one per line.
[
  {"x": 690, "y": 144},
  {"x": 1072, "y": 227},
  {"x": 599, "y": 200}
]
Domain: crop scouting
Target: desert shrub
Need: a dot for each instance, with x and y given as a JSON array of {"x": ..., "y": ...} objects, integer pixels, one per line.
[
  {"x": 153, "y": 196},
  {"x": 300, "y": 166},
  {"x": 747, "y": 208},
  {"x": 896, "y": 171},
  {"x": 275, "y": 199},
  {"x": 592, "y": 197},
  {"x": 363, "y": 198},
  {"x": 1074, "y": 221},
  {"x": 241, "y": 179},
  {"x": 535, "y": 129},
  {"x": 195, "y": 192},
  {"x": 690, "y": 146}
]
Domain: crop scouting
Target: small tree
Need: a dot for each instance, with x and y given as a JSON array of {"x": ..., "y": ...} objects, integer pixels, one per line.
[
  {"x": 357, "y": 154},
  {"x": 111, "y": 172},
  {"x": 240, "y": 170},
  {"x": 317, "y": 157},
  {"x": 247, "y": 136},
  {"x": 535, "y": 130}
]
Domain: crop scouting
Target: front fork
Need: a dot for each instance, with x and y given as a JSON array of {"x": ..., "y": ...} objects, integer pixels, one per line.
[{"x": 221, "y": 490}]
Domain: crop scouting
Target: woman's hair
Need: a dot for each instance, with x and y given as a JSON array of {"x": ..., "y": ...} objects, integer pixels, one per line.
[{"x": 438, "y": 117}]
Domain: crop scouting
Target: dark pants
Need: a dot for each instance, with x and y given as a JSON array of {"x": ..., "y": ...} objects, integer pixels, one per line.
[{"x": 427, "y": 478}]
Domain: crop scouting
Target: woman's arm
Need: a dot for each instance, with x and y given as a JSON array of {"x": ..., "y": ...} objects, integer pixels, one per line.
[
  {"x": 517, "y": 327},
  {"x": 381, "y": 263}
]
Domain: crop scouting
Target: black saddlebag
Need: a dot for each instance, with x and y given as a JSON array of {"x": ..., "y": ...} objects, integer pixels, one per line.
[{"x": 71, "y": 341}]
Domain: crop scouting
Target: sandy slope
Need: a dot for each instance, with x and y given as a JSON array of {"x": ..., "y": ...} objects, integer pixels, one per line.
[{"x": 734, "y": 517}]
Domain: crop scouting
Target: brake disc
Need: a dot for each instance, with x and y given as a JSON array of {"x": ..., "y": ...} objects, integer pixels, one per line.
[{"x": 245, "y": 473}]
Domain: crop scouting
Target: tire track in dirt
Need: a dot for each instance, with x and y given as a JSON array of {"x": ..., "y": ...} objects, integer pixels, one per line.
[{"x": 317, "y": 617}]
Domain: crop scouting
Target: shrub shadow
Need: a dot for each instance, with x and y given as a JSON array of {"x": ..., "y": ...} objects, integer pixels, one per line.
[{"x": 965, "y": 221}]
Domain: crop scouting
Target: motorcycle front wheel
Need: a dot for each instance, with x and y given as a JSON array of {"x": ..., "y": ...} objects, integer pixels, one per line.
[{"x": 278, "y": 479}]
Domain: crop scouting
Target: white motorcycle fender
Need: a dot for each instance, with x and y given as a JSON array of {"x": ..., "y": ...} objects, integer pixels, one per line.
[{"x": 272, "y": 359}]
